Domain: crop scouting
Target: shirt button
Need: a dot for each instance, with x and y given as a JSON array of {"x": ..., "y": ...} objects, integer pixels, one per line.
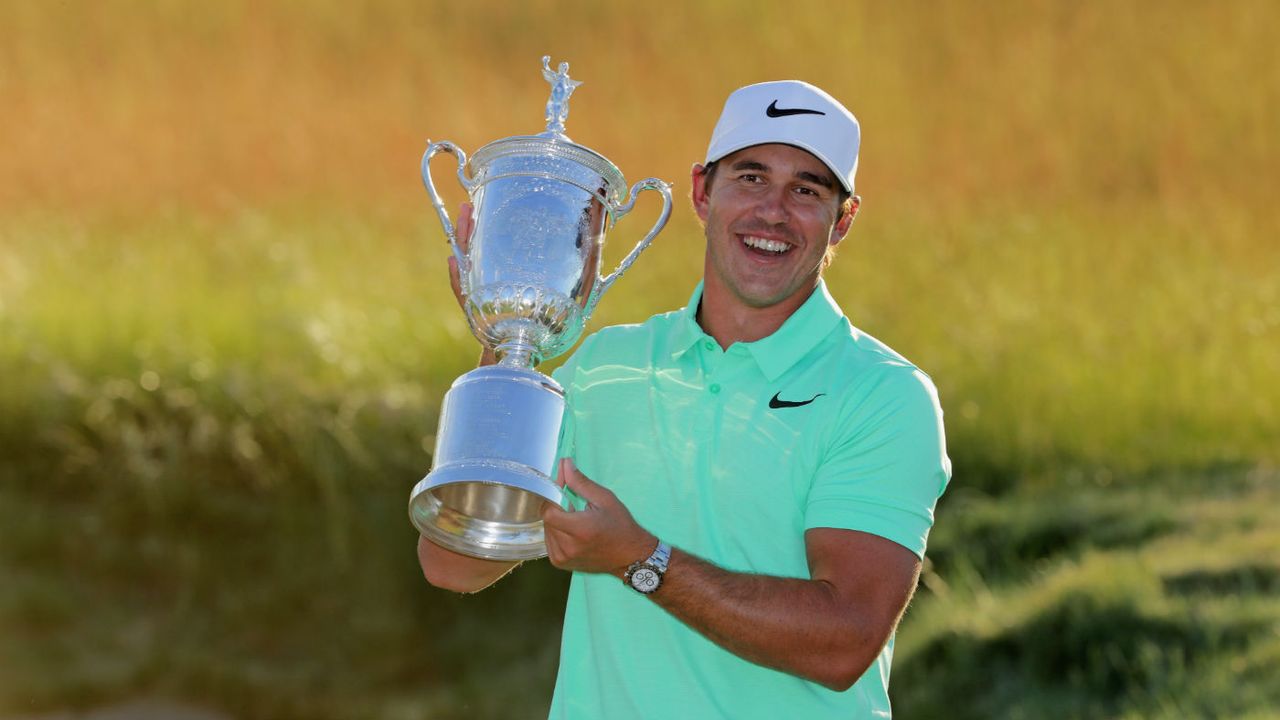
[
  {"x": 709, "y": 344},
  {"x": 715, "y": 388}
]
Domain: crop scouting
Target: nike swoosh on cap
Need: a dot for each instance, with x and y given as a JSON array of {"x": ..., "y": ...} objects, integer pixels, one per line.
[{"x": 774, "y": 111}]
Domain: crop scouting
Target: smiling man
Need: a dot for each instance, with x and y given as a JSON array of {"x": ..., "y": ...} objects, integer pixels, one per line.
[{"x": 752, "y": 478}]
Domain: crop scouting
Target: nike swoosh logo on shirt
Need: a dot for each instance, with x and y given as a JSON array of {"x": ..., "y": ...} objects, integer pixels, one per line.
[{"x": 775, "y": 403}]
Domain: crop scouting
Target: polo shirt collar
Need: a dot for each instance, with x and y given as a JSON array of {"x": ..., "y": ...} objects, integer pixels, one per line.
[
  {"x": 776, "y": 353},
  {"x": 687, "y": 330}
]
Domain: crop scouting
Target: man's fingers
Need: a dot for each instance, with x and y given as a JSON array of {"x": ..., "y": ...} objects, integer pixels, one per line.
[
  {"x": 465, "y": 226},
  {"x": 558, "y": 518},
  {"x": 462, "y": 233},
  {"x": 454, "y": 281},
  {"x": 560, "y": 472},
  {"x": 583, "y": 485},
  {"x": 567, "y": 523},
  {"x": 553, "y": 515},
  {"x": 555, "y": 552}
]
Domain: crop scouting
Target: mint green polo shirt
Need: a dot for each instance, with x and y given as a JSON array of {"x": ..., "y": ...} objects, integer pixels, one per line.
[{"x": 731, "y": 455}]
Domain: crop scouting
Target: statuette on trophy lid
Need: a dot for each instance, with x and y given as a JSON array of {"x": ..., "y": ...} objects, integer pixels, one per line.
[
  {"x": 530, "y": 279},
  {"x": 561, "y": 88}
]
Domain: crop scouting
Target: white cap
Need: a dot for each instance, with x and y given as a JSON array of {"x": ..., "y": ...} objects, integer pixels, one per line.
[{"x": 794, "y": 113}]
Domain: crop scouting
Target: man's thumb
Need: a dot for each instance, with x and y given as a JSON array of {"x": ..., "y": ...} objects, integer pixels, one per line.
[{"x": 581, "y": 484}]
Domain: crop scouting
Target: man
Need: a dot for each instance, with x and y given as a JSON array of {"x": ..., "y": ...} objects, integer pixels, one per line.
[{"x": 758, "y": 473}]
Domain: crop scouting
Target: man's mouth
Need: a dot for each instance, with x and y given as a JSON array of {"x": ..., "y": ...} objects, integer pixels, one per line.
[{"x": 765, "y": 245}]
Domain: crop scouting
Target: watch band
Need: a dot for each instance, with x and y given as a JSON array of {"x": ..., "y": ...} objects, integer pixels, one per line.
[{"x": 661, "y": 557}]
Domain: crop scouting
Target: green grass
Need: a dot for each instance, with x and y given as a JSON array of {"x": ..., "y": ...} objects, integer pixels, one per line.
[
  {"x": 1102, "y": 345},
  {"x": 1156, "y": 601},
  {"x": 208, "y": 445}
]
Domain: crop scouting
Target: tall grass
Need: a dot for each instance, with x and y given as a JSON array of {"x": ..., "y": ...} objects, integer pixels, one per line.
[
  {"x": 225, "y": 330},
  {"x": 108, "y": 103},
  {"x": 1058, "y": 343}
]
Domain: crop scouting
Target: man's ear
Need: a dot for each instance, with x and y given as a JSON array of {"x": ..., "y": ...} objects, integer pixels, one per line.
[
  {"x": 698, "y": 195},
  {"x": 842, "y": 225}
]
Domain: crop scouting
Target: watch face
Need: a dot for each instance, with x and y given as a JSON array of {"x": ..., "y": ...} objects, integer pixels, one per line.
[{"x": 645, "y": 579}]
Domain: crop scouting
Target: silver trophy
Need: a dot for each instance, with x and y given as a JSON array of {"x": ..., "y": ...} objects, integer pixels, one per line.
[{"x": 530, "y": 280}]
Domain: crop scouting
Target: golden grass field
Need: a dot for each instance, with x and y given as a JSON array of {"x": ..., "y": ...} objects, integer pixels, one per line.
[{"x": 225, "y": 327}]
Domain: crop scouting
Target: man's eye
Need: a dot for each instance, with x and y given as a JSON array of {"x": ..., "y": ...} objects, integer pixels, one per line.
[
  {"x": 807, "y": 191},
  {"x": 749, "y": 177}
]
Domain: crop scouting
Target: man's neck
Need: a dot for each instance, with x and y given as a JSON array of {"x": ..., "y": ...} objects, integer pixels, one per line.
[{"x": 728, "y": 320}]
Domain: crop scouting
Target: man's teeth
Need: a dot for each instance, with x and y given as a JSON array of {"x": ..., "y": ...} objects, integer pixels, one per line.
[{"x": 774, "y": 246}]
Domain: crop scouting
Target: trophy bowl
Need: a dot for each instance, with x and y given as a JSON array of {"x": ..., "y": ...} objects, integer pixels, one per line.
[{"x": 530, "y": 280}]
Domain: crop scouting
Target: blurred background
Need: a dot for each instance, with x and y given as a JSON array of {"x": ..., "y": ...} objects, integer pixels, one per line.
[{"x": 225, "y": 329}]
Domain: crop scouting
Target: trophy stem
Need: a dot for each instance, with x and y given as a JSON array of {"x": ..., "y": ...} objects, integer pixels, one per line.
[{"x": 516, "y": 353}]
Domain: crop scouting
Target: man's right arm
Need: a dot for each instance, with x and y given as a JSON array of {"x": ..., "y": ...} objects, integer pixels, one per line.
[{"x": 460, "y": 573}]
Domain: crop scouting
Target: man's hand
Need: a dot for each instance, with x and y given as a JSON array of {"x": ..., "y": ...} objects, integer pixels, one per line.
[
  {"x": 466, "y": 224},
  {"x": 602, "y": 538}
]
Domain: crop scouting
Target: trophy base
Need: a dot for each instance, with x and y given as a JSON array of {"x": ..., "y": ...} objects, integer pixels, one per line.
[
  {"x": 487, "y": 510},
  {"x": 495, "y": 454}
]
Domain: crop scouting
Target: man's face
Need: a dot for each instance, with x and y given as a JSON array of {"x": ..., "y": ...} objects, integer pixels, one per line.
[{"x": 770, "y": 214}]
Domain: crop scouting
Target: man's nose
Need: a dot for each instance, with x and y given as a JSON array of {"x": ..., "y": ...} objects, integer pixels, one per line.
[{"x": 772, "y": 207}]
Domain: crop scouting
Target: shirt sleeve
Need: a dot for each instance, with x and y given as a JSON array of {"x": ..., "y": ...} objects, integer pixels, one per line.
[{"x": 886, "y": 464}]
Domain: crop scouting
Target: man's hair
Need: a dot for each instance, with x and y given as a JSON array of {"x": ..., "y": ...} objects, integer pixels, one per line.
[{"x": 844, "y": 199}]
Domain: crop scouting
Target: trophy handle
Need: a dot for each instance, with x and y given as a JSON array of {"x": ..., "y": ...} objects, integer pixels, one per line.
[
  {"x": 664, "y": 188},
  {"x": 464, "y": 263}
]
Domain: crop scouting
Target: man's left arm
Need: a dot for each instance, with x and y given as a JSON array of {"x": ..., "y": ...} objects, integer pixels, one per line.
[{"x": 828, "y": 628}]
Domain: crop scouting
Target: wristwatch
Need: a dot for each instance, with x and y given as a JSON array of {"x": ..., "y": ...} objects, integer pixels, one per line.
[{"x": 645, "y": 576}]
